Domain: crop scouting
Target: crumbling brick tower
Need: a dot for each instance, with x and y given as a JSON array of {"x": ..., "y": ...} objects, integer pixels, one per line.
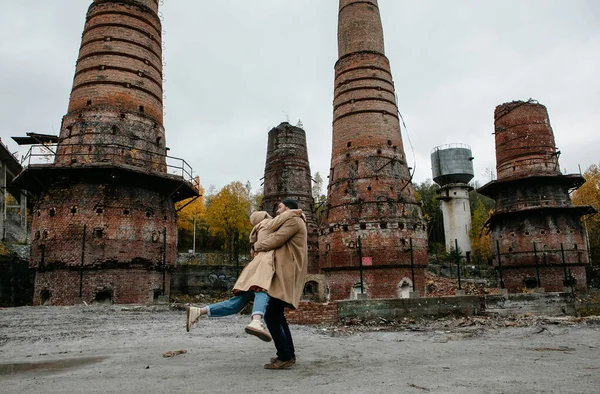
[
  {"x": 533, "y": 207},
  {"x": 104, "y": 226},
  {"x": 370, "y": 192},
  {"x": 287, "y": 175}
]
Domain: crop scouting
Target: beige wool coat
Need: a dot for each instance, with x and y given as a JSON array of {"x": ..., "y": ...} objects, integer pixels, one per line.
[
  {"x": 289, "y": 242},
  {"x": 258, "y": 274}
]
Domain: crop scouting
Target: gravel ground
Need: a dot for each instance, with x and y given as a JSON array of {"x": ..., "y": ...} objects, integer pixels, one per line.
[{"x": 119, "y": 349}]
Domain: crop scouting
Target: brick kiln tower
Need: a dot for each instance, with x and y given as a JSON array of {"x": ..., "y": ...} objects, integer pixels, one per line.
[
  {"x": 535, "y": 228},
  {"x": 287, "y": 175},
  {"x": 370, "y": 192},
  {"x": 104, "y": 226}
]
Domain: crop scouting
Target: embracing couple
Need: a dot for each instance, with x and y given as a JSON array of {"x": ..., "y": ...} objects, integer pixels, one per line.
[{"x": 274, "y": 280}]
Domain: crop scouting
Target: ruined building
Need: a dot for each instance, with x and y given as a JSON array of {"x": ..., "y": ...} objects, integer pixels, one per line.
[
  {"x": 104, "y": 224},
  {"x": 537, "y": 236},
  {"x": 370, "y": 192},
  {"x": 452, "y": 168},
  {"x": 287, "y": 175}
]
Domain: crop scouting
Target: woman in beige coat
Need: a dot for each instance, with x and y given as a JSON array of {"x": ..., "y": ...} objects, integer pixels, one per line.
[{"x": 253, "y": 283}]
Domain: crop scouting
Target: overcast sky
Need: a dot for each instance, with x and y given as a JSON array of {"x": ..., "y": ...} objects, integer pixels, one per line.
[{"x": 236, "y": 68}]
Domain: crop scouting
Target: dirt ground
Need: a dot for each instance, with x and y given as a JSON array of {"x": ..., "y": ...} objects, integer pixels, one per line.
[{"x": 119, "y": 349}]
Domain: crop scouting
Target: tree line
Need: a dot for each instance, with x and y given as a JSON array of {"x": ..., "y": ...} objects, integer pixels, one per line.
[{"x": 219, "y": 220}]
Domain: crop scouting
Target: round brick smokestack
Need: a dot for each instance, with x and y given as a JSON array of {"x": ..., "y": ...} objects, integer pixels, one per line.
[
  {"x": 524, "y": 141},
  {"x": 104, "y": 225},
  {"x": 287, "y": 175},
  {"x": 538, "y": 239},
  {"x": 370, "y": 192}
]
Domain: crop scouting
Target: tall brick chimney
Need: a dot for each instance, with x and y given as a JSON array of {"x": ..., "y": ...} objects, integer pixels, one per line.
[
  {"x": 104, "y": 227},
  {"x": 287, "y": 175},
  {"x": 536, "y": 231},
  {"x": 370, "y": 192}
]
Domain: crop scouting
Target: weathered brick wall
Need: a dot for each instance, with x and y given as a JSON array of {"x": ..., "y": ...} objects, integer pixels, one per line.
[
  {"x": 552, "y": 278},
  {"x": 313, "y": 313},
  {"x": 125, "y": 227},
  {"x": 125, "y": 286},
  {"x": 377, "y": 283},
  {"x": 369, "y": 193}
]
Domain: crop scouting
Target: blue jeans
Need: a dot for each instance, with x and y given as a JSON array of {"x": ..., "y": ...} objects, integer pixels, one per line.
[{"x": 238, "y": 302}]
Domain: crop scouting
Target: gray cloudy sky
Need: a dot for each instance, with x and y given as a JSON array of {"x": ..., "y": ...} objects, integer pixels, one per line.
[{"x": 237, "y": 68}]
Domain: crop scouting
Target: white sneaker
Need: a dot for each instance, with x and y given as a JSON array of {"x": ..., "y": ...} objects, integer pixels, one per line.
[
  {"x": 193, "y": 314},
  {"x": 258, "y": 329}
]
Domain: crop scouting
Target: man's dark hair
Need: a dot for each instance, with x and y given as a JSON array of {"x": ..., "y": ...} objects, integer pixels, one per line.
[{"x": 291, "y": 204}]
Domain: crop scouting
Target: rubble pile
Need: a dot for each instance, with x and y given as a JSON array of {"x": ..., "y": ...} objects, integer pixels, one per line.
[{"x": 437, "y": 286}]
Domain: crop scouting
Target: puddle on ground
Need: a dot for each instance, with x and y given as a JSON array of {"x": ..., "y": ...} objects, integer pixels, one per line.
[{"x": 48, "y": 366}]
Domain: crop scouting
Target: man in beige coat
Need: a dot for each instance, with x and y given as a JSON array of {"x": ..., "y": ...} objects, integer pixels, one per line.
[{"x": 289, "y": 241}]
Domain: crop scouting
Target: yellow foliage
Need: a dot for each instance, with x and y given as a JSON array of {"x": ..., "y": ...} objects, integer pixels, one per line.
[
  {"x": 481, "y": 245},
  {"x": 228, "y": 212},
  {"x": 193, "y": 210},
  {"x": 589, "y": 194}
]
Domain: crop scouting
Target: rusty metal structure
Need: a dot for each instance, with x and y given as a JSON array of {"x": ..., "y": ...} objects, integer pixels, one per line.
[
  {"x": 104, "y": 224},
  {"x": 287, "y": 175},
  {"x": 370, "y": 194},
  {"x": 538, "y": 239}
]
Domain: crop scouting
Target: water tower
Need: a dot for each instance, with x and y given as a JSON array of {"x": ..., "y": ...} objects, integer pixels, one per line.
[{"x": 452, "y": 167}]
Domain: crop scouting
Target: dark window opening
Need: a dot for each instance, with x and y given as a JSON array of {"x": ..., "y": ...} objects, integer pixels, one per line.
[
  {"x": 345, "y": 191},
  {"x": 363, "y": 226},
  {"x": 126, "y": 211},
  {"x": 45, "y": 297},
  {"x": 542, "y": 232},
  {"x": 103, "y": 297},
  {"x": 158, "y": 139},
  {"x": 148, "y": 213},
  {"x": 115, "y": 129},
  {"x": 383, "y": 225},
  {"x": 37, "y": 235},
  {"x": 45, "y": 234},
  {"x": 330, "y": 230},
  {"x": 510, "y": 250},
  {"x": 389, "y": 142},
  {"x": 89, "y": 102},
  {"x": 52, "y": 212},
  {"x": 98, "y": 232},
  {"x": 401, "y": 226},
  {"x": 392, "y": 188},
  {"x": 345, "y": 227},
  {"x": 575, "y": 246},
  {"x": 156, "y": 293},
  {"x": 530, "y": 283},
  {"x": 141, "y": 108},
  {"x": 122, "y": 116},
  {"x": 378, "y": 151},
  {"x": 348, "y": 155},
  {"x": 526, "y": 232},
  {"x": 99, "y": 210},
  {"x": 416, "y": 226},
  {"x": 349, "y": 144},
  {"x": 369, "y": 188},
  {"x": 74, "y": 209}
]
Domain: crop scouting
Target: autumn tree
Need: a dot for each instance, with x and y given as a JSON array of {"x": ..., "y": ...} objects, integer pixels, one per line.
[
  {"x": 227, "y": 214},
  {"x": 190, "y": 217},
  {"x": 482, "y": 208},
  {"x": 426, "y": 193},
  {"x": 589, "y": 194}
]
